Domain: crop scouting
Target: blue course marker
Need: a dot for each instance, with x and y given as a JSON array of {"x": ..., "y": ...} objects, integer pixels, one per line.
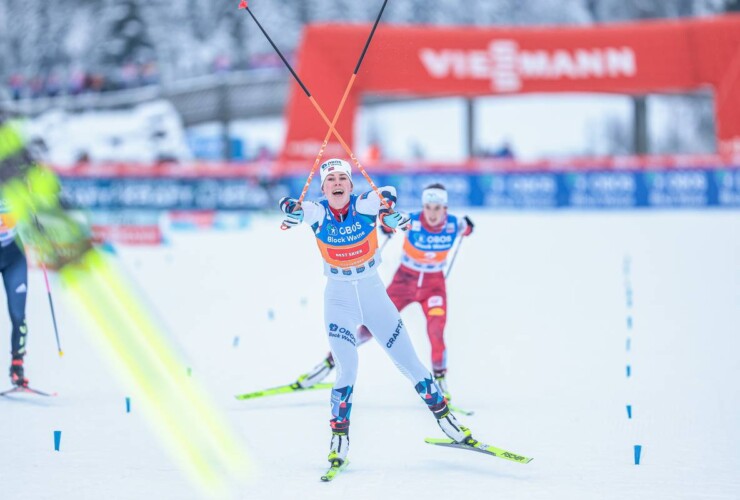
[
  {"x": 638, "y": 451},
  {"x": 57, "y": 440},
  {"x": 270, "y": 314},
  {"x": 628, "y": 343},
  {"x": 629, "y": 322},
  {"x": 629, "y": 411},
  {"x": 629, "y": 370},
  {"x": 236, "y": 341},
  {"x": 128, "y": 405}
]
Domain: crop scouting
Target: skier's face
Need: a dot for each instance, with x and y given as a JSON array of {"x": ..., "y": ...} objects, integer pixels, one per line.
[
  {"x": 337, "y": 188},
  {"x": 434, "y": 213}
]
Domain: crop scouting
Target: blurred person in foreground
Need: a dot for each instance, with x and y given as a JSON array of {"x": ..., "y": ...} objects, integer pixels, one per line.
[
  {"x": 124, "y": 328},
  {"x": 355, "y": 299},
  {"x": 34, "y": 191},
  {"x": 14, "y": 269},
  {"x": 420, "y": 278}
]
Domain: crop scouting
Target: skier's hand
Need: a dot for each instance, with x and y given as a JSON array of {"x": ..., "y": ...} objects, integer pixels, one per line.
[
  {"x": 394, "y": 221},
  {"x": 293, "y": 212},
  {"x": 468, "y": 226},
  {"x": 289, "y": 205},
  {"x": 386, "y": 230}
]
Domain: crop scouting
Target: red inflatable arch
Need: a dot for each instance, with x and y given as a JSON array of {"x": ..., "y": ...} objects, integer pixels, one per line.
[{"x": 636, "y": 58}]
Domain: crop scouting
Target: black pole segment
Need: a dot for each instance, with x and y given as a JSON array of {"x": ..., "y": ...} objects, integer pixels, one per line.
[
  {"x": 279, "y": 53},
  {"x": 367, "y": 44}
]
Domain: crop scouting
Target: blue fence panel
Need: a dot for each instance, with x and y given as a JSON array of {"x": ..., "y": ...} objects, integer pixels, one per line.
[{"x": 531, "y": 190}]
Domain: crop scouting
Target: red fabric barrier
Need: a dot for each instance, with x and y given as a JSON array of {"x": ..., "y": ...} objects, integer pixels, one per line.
[{"x": 633, "y": 58}]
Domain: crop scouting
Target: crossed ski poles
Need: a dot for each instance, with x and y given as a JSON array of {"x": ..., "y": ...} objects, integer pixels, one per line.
[
  {"x": 332, "y": 130},
  {"x": 244, "y": 4}
]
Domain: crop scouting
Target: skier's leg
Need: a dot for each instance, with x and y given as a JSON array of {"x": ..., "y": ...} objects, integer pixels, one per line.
[
  {"x": 342, "y": 321},
  {"x": 402, "y": 290},
  {"x": 15, "y": 280},
  {"x": 384, "y": 322},
  {"x": 434, "y": 304}
]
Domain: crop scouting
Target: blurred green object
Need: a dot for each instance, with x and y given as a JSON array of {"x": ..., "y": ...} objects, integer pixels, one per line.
[
  {"x": 32, "y": 192},
  {"x": 186, "y": 421}
]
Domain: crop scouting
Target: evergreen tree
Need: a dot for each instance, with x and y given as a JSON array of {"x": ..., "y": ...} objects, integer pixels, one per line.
[{"x": 126, "y": 38}]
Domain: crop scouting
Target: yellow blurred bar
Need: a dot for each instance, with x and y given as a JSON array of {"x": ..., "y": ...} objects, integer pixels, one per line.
[{"x": 178, "y": 410}]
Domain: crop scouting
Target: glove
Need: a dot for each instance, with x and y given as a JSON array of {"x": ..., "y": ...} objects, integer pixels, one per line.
[
  {"x": 293, "y": 212},
  {"x": 393, "y": 221},
  {"x": 288, "y": 205},
  {"x": 469, "y": 227}
]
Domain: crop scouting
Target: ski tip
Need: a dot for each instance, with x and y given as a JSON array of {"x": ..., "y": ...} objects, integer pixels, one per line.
[
  {"x": 27, "y": 390},
  {"x": 514, "y": 457},
  {"x": 438, "y": 440},
  {"x": 334, "y": 470}
]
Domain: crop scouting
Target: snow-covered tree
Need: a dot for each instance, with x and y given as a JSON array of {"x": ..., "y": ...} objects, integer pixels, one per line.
[
  {"x": 193, "y": 37},
  {"x": 125, "y": 33}
]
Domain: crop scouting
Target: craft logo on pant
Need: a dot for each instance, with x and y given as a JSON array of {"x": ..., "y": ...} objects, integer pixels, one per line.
[
  {"x": 506, "y": 65},
  {"x": 396, "y": 333}
]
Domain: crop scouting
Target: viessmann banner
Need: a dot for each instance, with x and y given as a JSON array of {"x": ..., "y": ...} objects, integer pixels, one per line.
[{"x": 426, "y": 62}]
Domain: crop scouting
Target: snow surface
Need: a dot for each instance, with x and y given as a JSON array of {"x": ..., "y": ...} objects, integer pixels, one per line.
[{"x": 536, "y": 336}]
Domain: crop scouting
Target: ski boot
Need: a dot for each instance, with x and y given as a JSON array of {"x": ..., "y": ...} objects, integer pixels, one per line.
[
  {"x": 450, "y": 425},
  {"x": 441, "y": 380},
  {"x": 339, "y": 446},
  {"x": 17, "y": 377},
  {"x": 317, "y": 373}
]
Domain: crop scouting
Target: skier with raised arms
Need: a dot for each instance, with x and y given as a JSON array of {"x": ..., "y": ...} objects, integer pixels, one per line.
[
  {"x": 420, "y": 278},
  {"x": 355, "y": 299}
]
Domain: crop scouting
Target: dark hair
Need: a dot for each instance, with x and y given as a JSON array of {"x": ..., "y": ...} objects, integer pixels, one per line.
[{"x": 436, "y": 185}]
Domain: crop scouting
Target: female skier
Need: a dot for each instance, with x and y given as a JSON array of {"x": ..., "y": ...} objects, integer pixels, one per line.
[
  {"x": 355, "y": 298},
  {"x": 431, "y": 234}
]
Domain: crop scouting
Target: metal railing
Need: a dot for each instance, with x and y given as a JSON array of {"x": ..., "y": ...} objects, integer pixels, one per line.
[{"x": 219, "y": 97}]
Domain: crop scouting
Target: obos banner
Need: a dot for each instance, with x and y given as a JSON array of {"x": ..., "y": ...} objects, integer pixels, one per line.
[{"x": 527, "y": 190}]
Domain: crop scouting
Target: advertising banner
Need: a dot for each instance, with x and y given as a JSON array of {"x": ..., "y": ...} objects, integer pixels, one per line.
[
  {"x": 421, "y": 61},
  {"x": 578, "y": 189}
]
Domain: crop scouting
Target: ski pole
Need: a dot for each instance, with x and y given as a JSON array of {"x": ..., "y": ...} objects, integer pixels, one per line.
[
  {"x": 244, "y": 5},
  {"x": 454, "y": 256},
  {"x": 385, "y": 243},
  {"x": 51, "y": 306},
  {"x": 338, "y": 112},
  {"x": 341, "y": 105}
]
